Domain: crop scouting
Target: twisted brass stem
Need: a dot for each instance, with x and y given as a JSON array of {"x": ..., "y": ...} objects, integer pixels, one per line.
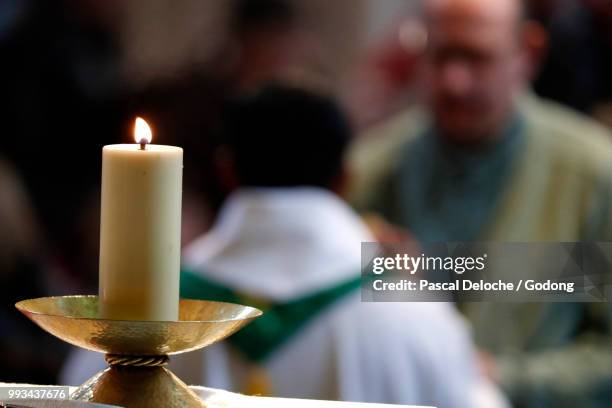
[{"x": 136, "y": 361}]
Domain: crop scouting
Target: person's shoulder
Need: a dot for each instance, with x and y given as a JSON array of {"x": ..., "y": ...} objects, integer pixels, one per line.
[{"x": 574, "y": 139}]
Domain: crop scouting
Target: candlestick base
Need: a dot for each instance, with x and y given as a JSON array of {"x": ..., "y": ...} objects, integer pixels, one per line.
[
  {"x": 137, "y": 350},
  {"x": 138, "y": 387}
]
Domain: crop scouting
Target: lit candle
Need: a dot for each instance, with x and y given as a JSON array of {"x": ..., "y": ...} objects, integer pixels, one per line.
[{"x": 140, "y": 229}]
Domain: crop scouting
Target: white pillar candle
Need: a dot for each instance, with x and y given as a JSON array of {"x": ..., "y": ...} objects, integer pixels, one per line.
[{"x": 140, "y": 229}]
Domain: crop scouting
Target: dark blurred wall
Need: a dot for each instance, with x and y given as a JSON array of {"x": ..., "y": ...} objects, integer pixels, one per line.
[
  {"x": 576, "y": 70},
  {"x": 60, "y": 102}
]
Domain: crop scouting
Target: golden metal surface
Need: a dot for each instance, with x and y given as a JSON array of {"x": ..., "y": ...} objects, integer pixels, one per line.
[
  {"x": 136, "y": 387},
  {"x": 74, "y": 320},
  {"x": 143, "y": 382}
]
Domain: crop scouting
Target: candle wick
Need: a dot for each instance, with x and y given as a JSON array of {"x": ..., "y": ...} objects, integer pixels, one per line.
[{"x": 143, "y": 143}]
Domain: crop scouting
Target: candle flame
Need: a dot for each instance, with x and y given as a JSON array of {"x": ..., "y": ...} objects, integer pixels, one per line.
[{"x": 142, "y": 131}]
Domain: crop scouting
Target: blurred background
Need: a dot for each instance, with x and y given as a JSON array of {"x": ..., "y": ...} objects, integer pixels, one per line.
[{"x": 75, "y": 73}]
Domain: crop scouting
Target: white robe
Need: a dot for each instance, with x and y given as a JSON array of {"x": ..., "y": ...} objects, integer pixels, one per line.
[{"x": 284, "y": 244}]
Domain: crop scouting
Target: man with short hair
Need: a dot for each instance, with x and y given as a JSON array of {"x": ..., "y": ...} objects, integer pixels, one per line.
[{"x": 483, "y": 160}]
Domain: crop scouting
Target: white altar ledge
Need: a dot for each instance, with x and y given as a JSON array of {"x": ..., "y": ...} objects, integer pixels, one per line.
[{"x": 223, "y": 399}]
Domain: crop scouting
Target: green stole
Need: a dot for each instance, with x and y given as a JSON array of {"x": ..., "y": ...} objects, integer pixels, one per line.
[{"x": 279, "y": 323}]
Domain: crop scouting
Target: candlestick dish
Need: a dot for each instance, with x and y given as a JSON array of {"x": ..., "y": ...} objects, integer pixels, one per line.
[{"x": 137, "y": 351}]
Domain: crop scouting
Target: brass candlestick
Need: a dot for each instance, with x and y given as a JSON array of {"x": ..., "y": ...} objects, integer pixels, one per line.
[{"x": 137, "y": 351}]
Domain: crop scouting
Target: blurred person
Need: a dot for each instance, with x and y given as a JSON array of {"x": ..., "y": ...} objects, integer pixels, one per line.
[
  {"x": 287, "y": 243},
  {"x": 484, "y": 160},
  {"x": 296, "y": 42},
  {"x": 265, "y": 34},
  {"x": 28, "y": 353}
]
